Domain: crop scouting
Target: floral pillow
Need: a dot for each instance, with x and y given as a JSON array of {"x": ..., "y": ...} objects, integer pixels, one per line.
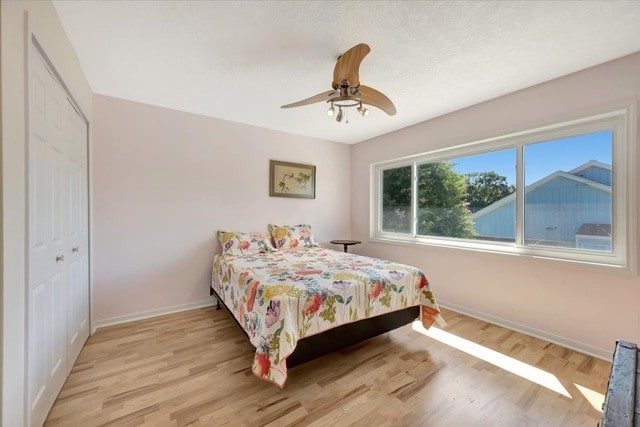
[
  {"x": 292, "y": 236},
  {"x": 244, "y": 243}
]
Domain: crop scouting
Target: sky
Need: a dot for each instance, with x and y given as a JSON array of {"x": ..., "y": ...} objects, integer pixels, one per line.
[{"x": 543, "y": 158}]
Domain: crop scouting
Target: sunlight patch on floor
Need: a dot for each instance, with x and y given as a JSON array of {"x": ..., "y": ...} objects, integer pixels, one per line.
[
  {"x": 524, "y": 370},
  {"x": 593, "y": 397}
]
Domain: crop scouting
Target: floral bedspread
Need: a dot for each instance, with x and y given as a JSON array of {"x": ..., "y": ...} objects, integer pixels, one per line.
[{"x": 283, "y": 296}]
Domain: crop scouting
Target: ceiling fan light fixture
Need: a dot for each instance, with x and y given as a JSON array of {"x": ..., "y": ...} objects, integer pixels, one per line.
[
  {"x": 340, "y": 115},
  {"x": 363, "y": 111},
  {"x": 331, "y": 111}
]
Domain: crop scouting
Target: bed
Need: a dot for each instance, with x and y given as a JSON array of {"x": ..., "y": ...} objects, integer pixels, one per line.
[{"x": 287, "y": 298}]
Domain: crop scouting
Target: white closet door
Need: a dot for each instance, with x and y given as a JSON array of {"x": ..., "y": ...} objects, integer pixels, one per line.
[
  {"x": 58, "y": 310},
  {"x": 48, "y": 275},
  {"x": 78, "y": 293}
]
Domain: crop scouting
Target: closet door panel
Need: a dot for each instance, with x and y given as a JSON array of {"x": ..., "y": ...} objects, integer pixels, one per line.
[
  {"x": 39, "y": 348},
  {"x": 57, "y": 329}
]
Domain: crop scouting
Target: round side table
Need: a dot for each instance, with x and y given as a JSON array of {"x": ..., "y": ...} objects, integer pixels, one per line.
[{"x": 346, "y": 243}]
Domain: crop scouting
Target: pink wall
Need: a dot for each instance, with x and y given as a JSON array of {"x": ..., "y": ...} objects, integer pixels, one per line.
[
  {"x": 164, "y": 181},
  {"x": 582, "y": 306}
]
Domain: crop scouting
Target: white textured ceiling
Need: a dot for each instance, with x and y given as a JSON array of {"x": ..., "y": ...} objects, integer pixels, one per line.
[{"x": 240, "y": 61}]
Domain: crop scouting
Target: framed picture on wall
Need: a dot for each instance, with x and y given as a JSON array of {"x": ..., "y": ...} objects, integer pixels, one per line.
[{"x": 292, "y": 180}]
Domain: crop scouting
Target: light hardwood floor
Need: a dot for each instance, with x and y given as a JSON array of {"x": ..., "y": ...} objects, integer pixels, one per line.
[{"x": 193, "y": 368}]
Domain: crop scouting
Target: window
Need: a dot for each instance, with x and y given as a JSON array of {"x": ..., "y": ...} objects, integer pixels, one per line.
[
  {"x": 560, "y": 192},
  {"x": 396, "y": 200},
  {"x": 451, "y": 192},
  {"x": 568, "y": 192}
]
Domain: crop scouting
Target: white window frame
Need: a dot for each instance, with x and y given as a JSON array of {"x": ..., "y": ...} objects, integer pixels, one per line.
[{"x": 621, "y": 120}]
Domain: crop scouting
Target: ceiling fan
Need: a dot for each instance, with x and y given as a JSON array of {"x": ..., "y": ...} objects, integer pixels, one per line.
[{"x": 347, "y": 91}]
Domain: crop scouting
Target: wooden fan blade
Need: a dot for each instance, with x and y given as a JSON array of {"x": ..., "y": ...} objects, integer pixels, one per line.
[
  {"x": 376, "y": 98},
  {"x": 348, "y": 65},
  {"x": 324, "y": 96}
]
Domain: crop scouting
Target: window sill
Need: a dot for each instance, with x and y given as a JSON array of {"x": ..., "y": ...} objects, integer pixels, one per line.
[{"x": 600, "y": 262}]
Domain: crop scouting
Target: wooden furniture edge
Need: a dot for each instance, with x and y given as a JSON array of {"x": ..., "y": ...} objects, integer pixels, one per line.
[{"x": 621, "y": 404}]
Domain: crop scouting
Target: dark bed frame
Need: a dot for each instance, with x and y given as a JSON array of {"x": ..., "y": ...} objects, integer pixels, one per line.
[{"x": 343, "y": 336}]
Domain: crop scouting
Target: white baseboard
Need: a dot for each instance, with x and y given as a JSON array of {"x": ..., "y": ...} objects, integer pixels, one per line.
[
  {"x": 151, "y": 313},
  {"x": 564, "y": 342}
]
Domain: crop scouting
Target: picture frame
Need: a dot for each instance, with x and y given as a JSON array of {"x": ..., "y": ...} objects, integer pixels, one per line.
[{"x": 295, "y": 180}]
